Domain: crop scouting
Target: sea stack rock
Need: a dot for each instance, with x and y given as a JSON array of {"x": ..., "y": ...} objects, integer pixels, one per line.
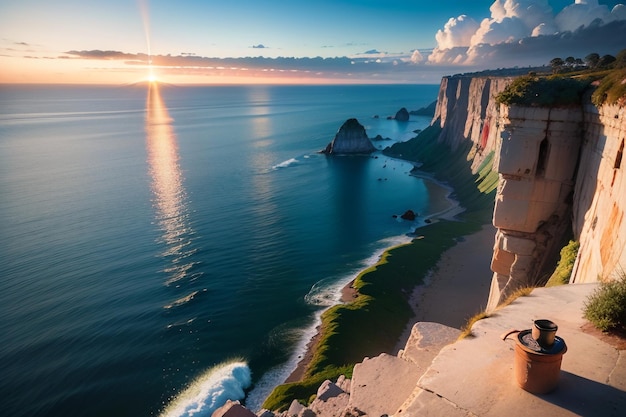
[
  {"x": 402, "y": 115},
  {"x": 350, "y": 139}
]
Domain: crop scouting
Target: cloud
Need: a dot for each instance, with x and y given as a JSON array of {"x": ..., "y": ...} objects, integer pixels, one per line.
[
  {"x": 259, "y": 46},
  {"x": 456, "y": 32},
  {"x": 417, "y": 57},
  {"x": 506, "y": 37}
]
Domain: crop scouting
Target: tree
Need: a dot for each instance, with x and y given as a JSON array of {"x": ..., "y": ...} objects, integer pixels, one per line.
[
  {"x": 592, "y": 60},
  {"x": 606, "y": 60},
  {"x": 556, "y": 64},
  {"x": 570, "y": 61}
]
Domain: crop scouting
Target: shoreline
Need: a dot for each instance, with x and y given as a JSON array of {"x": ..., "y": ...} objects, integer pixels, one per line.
[{"x": 461, "y": 278}]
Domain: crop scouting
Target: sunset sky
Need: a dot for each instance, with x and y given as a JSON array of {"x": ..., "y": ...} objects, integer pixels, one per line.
[{"x": 298, "y": 41}]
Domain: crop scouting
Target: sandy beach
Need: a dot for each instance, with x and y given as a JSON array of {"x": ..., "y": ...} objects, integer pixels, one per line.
[{"x": 456, "y": 288}]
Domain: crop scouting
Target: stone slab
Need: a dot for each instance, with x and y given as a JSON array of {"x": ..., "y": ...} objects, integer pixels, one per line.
[
  {"x": 380, "y": 385},
  {"x": 476, "y": 374}
]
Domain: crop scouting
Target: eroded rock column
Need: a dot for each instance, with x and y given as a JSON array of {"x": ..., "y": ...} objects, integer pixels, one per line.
[{"x": 536, "y": 163}]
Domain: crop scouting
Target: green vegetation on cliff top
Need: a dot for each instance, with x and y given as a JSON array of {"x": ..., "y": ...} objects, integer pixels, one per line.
[
  {"x": 374, "y": 321},
  {"x": 553, "y": 91},
  {"x": 569, "y": 83}
]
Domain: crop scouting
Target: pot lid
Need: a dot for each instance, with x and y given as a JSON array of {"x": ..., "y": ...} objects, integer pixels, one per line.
[{"x": 527, "y": 342}]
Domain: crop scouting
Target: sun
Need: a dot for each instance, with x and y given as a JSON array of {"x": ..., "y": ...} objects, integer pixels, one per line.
[{"x": 152, "y": 77}]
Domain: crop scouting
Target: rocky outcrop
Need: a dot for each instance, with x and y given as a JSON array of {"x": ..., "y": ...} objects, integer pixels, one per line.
[
  {"x": 402, "y": 115},
  {"x": 409, "y": 215},
  {"x": 351, "y": 138},
  {"x": 425, "y": 111},
  {"x": 536, "y": 162}
]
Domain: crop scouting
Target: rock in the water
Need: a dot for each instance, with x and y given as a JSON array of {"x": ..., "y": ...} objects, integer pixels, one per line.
[
  {"x": 350, "y": 139},
  {"x": 402, "y": 115},
  {"x": 408, "y": 215}
]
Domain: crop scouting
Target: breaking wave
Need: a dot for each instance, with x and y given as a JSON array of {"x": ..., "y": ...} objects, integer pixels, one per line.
[
  {"x": 211, "y": 390},
  {"x": 286, "y": 164},
  {"x": 327, "y": 292}
]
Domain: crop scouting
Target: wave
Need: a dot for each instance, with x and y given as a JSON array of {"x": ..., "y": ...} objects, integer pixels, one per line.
[
  {"x": 278, "y": 374},
  {"x": 184, "y": 300},
  {"x": 211, "y": 390},
  {"x": 286, "y": 164},
  {"x": 327, "y": 292}
]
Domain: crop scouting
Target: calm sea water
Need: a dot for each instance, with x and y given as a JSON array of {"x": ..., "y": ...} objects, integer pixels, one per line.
[{"x": 163, "y": 250}]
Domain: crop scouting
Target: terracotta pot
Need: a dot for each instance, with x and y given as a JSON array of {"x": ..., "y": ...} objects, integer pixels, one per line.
[{"x": 536, "y": 369}]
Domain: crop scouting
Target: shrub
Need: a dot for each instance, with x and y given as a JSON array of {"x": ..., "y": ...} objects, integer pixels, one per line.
[
  {"x": 606, "y": 306},
  {"x": 563, "y": 270}
]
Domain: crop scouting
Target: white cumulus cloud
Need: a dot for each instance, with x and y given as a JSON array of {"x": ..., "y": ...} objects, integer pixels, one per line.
[
  {"x": 506, "y": 34},
  {"x": 456, "y": 32}
]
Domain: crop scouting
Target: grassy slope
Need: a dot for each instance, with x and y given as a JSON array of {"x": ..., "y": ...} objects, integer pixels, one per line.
[{"x": 374, "y": 321}]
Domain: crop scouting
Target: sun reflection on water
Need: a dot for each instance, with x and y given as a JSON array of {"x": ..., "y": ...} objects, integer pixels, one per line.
[{"x": 169, "y": 196}]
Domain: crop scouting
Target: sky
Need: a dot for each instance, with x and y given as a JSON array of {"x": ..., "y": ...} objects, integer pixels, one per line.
[{"x": 296, "y": 41}]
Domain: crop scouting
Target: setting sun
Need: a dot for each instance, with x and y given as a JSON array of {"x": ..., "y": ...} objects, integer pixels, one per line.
[{"x": 152, "y": 78}]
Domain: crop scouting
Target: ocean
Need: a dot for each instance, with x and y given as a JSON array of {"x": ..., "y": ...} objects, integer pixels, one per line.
[{"x": 165, "y": 249}]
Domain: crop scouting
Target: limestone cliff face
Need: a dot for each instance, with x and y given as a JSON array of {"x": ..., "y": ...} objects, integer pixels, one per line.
[
  {"x": 466, "y": 111},
  {"x": 600, "y": 195},
  {"x": 537, "y": 158},
  {"x": 559, "y": 169}
]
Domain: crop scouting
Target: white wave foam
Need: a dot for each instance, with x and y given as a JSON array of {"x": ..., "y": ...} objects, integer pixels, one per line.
[
  {"x": 327, "y": 292},
  {"x": 277, "y": 375},
  {"x": 211, "y": 390},
  {"x": 286, "y": 164}
]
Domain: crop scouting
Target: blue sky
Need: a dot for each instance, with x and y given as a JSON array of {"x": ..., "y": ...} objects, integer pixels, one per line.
[{"x": 41, "y": 39}]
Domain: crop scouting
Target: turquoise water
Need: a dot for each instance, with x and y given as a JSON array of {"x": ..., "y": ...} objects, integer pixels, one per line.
[{"x": 153, "y": 239}]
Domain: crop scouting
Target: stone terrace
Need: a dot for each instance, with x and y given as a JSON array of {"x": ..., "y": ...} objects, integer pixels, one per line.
[{"x": 435, "y": 375}]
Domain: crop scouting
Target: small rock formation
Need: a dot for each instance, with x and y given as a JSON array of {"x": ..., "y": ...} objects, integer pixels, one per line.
[
  {"x": 233, "y": 409},
  {"x": 351, "y": 138},
  {"x": 402, "y": 115},
  {"x": 379, "y": 138},
  {"x": 426, "y": 111},
  {"x": 408, "y": 215}
]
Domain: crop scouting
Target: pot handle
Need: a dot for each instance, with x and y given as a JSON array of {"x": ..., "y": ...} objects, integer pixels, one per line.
[{"x": 506, "y": 334}]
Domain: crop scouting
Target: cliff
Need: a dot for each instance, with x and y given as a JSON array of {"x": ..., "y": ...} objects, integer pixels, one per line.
[{"x": 560, "y": 176}]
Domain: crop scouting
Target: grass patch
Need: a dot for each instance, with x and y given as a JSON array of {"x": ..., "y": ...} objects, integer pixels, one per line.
[
  {"x": 563, "y": 270},
  {"x": 466, "y": 330},
  {"x": 606, "y": 307},
  {"x": 520, "y": 292}
]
